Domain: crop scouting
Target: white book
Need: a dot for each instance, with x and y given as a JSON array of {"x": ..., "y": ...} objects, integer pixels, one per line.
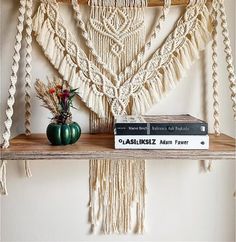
[{"x": 180, "y": 142}]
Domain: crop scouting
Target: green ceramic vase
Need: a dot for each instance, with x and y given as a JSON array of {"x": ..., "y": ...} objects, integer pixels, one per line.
[{"x": 63, "y": 134}]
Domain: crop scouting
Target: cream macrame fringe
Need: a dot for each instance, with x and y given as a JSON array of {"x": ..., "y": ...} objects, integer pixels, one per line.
[
  {"x": 117, "y": 33},
  {"x": 69, "y": 63},
  {"x": 101, "y": 125},
  {"x": 3, "y": 178},
  {"x": 147, "y": 85},
  {"x": 118, "y": 4},
  {"x": 114, "y": 187},
  {"x": 95, "y": 89},
  {"x": 138, "y": 58},
  {"x": 168, "y": 75}
]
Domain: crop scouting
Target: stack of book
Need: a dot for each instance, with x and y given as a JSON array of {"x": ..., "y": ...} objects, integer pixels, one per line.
[{"x": 160, "y": 132}]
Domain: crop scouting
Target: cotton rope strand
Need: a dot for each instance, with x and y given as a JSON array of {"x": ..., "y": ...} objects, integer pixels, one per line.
[
  {"x": 3, "y": 178},
  {"x": 229, "y": 56},
  {"x": 88, "y": 42},
  {"x": 147, "y": 46},
  {"x": 116, "y": 42},
  {"x": 28, "y": 39},
  {"x": 13, "y": 78},
  {"x": 138, "y": 58},
  {"x": 28, "y": 172},
  {"x": 215, "y": 76}
]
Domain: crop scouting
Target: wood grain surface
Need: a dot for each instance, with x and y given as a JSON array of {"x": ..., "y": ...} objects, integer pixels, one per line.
[{"x": 101, "y": 146}]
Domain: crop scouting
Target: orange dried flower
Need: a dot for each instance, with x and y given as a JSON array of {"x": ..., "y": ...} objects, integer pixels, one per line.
[
  {"x": 59, "y": 87},
  {"x": 52, "y": 90}
]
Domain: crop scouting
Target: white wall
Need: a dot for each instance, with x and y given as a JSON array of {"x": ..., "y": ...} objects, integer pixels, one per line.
[{"x": 183, "y": 204}]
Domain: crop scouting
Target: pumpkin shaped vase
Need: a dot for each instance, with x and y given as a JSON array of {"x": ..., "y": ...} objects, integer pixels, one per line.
[{"x": 63, "y": 134}]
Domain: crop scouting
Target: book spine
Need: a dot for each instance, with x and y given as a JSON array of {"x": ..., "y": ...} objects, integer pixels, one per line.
[
  {"x": 184, "y": 142},
  {"x": 161, "y": 129}
]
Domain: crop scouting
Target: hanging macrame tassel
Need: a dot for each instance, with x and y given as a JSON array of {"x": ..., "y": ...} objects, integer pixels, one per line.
[
  {"x": 3, "y": 178},
  {"x": 209, "y": 166},
  {"x": 206, "y": 165},
  {"x": 28, "y": 172},
  {"x": 115, "y": 186}
]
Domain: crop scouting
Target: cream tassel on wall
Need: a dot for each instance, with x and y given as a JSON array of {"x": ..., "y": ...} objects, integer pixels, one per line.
[
  {"x": 115, "y": 185},
  {"x": 28, "y": 172},
  {"x": 3, "y": 178}
]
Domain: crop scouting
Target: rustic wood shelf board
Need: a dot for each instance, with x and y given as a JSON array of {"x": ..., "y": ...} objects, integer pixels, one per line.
[{"x": 100, "y": 146}]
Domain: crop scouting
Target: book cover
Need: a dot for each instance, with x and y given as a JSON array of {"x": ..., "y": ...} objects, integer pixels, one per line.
[
  {"x": 160, "y": 125},
  {"x": 184, "y": 142}
]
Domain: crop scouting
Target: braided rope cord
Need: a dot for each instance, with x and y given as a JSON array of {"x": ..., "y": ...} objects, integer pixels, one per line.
[
  {"x": 215, "y": 76},
  {"x": 229, "y": 56},
  {"x": 28, "y": 66},
  {"x": 13, "y": 78},
  {"x": 28, "y": 172},
  {"x": 3, "y": 177},
  {"x": 133, "y": 65}
]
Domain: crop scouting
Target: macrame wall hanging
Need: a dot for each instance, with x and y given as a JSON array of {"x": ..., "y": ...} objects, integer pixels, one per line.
[
  {"x": 111, "y": 35},
  {"x": 116, "y": 79},
  {"x": 115, "y": 35},
  {"x": 137, "y": 93}
]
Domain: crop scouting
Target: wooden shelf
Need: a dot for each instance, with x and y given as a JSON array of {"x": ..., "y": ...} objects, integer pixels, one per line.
[{"x": 100, "y": 146}]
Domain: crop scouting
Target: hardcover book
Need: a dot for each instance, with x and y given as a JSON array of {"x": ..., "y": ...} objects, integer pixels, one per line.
[{"x": 160, "y": 125}]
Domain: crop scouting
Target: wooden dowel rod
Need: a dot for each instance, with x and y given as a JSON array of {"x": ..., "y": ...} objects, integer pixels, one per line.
[{"x": 150, "y": 2}]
